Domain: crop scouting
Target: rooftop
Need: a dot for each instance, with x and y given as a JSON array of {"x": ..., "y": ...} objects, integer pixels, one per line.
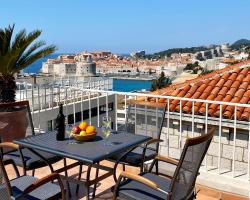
[{"x": 231, "y": 84}]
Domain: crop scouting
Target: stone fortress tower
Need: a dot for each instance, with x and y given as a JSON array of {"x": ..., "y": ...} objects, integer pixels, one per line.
[{"x": 85, "y": 65}]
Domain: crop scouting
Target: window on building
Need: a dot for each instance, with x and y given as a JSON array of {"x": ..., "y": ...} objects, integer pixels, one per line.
[{"x": 103, "y": 108}]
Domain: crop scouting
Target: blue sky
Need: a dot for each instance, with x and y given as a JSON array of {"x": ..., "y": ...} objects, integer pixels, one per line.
[{"x": 124, "y": 26}]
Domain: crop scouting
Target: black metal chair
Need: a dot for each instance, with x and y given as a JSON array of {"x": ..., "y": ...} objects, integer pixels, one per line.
[
  {"x": 29, "y": 187},
  {"x": 144, "y": 118},
  {"x": 16, "y": 123},
  {"x": 149, "y": 185}
]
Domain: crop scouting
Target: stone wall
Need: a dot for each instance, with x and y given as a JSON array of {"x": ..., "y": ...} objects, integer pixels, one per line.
[{"x": 172, "y": 148}]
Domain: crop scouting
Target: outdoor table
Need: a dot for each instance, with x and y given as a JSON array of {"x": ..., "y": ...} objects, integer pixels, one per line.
[{"x": 88, "y": 153}]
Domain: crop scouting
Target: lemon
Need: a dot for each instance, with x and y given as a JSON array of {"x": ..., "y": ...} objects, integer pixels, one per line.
[{"x": 82, "y": 133}]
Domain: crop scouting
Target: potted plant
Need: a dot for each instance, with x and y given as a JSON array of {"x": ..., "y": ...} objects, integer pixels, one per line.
[{"x": 16, "y": 53}]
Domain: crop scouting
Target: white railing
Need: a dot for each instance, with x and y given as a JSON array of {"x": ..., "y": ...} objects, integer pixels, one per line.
[
  {"x": 44, "y": 96},
  {"x": 229, "y": 153}
]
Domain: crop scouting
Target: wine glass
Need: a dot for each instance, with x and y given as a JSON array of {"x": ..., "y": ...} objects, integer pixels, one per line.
[
  {"x": 68, "y": 130},
  {"x": 106, "y": 121},
  {"x": 106, "y": 130}
]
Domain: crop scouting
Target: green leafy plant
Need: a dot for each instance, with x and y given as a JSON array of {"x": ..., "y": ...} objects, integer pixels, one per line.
[
  {"x": 247, "y": 50},
  {"x": 16, "y": 53},
  {"x": 192, "y": 66},
  {"x": 206, "y": 71},
  {"x": 161, "y": 82}
]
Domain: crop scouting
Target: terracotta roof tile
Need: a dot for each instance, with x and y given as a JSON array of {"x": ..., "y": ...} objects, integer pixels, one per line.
[
  {"x": 225, "y": 76},
  {"x": 232, "y": 91},
  {"x": 247, "y": 94},
  {"x": 247, "y": 78},
  {"x": 193, "y": 89},
  {"x": 233, "y": 76},
  {"x": 208, "y": 89},
  {"x": 244, "y": 71},
  {"x": 221, "y": 83},
  {"x": 214, "y": 81},
  {"x": 240, "y": 93},
  {"x": 176, "y": 102},
  {"x": 236, "y": 84},
  {"x": 223, "y": 91},
  {"x": 198, "y": 104},
  {"x": 246, "y": 113},
  {"x": 215, "y": 91},
  {"x": 240, "y": 77},
  {"x": 231, "y": 84},
  {"x": 230, "y": 109}
]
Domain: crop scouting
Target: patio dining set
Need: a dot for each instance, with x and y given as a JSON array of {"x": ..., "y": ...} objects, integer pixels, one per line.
[{"x": 132, "y": 144}]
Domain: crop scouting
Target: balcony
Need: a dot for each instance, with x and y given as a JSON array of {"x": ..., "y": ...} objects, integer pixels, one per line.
[{"x": 226, "y": 166}]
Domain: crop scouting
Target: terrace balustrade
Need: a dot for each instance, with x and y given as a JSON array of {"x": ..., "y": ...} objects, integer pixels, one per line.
[{"x": 229, "y": 152}]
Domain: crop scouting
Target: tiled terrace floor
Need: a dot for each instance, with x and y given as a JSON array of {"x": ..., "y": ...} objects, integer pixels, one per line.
[{"x": 103, "y": 188}]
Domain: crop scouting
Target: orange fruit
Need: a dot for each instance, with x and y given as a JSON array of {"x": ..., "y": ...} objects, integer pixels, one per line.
[
  {"x": 83, "y": 125},
  {"x": 90, "y": 130}
]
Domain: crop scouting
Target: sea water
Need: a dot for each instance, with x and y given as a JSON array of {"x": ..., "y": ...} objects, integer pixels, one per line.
[{"x": 128, "y": 85}]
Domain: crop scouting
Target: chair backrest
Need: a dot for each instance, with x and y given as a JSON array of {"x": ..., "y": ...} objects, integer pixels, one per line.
[
  {"x": 15, "y": 121},
  {"x": 187, "y": 170},
  {"x": 145, "y": 118}
]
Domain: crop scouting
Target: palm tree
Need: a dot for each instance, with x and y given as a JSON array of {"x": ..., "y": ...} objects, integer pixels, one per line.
[{"x": 16, "y": 54}]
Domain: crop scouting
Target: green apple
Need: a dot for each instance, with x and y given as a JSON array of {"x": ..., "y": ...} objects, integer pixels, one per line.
[{"x": 82, "y": 133}]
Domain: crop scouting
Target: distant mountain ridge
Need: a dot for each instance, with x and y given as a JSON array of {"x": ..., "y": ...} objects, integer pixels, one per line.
[
  {"x": 168, "y": 52},
  {"x": 240, "y": 43},
  {"x": 236, "y": 45}
]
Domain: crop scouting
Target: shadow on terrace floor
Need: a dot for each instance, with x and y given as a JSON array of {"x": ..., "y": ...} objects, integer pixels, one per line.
[{"x": 103, "y": 187}]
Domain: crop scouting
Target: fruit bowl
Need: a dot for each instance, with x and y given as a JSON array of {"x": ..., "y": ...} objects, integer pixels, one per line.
[
  {"x": 83, "y": 132},
  {"x": 87, "y": 137}
]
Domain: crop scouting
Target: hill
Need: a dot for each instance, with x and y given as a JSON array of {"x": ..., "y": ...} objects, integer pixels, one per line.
[
  {"x": 168, "y": 52},
  {"x": 240, "y": 43}
]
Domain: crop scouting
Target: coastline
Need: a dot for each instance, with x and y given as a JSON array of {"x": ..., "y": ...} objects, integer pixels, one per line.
[{"x": 133, "y": 78}]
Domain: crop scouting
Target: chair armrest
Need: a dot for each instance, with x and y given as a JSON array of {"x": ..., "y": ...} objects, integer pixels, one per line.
[
  {"x": 140, "y": 179},
  {"x": 166, "y": 159},
  {"x": 144, "y": 148},
  {"x": 9, "y": 145},
  {"x": 46, "y": 179}
]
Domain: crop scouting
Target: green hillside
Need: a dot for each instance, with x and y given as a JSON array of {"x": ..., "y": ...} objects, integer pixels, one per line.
[{"x": 240, "y": 44}]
